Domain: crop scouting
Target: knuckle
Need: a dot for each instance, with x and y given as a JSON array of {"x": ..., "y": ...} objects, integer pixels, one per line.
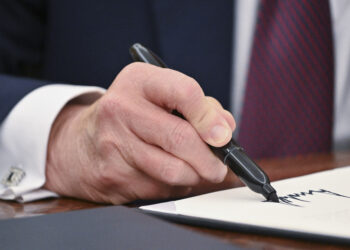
[
  {"x": 144, "y": 159},
  {"x": 172, "y": 175},
  {"x": 210, "y": 171},
  {"x": 111, "y": 107},
  {"x": 135, "y": 73},
  {"x": 178, "y": 136},
  {"x": 104, "y": 145},
  {"x": 191, "y": 89},
  {"x": 214, "y": 101},
  {"x": 107, "y": 107},
  {"x": 105, "y": 175},
  {"x": 133, "y": 67},
  {"x": 109, "y": 173},
  {"x": 209, "y": 174},
  {"x": 201, "y": 119}
]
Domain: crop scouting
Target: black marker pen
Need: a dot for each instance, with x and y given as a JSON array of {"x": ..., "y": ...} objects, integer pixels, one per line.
[{"x": 231, "y": 154}]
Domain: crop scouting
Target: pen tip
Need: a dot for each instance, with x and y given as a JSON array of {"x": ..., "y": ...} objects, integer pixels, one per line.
[{"x": 273, "y": 197}]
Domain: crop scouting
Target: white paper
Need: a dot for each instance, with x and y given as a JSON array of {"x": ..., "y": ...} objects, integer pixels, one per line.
[{"x": 317, "y": 203}]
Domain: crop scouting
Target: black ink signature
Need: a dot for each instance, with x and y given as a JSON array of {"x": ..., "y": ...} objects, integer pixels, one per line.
[{"x": 291, "y": 198}]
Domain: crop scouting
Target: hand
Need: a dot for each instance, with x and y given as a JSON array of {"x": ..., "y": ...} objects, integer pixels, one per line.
[{"x": 128, "y": 146}]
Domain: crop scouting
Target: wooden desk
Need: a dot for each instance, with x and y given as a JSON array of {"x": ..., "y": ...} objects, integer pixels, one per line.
[{"x": 276, "y": 169}]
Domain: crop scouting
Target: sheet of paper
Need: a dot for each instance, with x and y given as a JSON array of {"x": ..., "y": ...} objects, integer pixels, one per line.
[{"x": 317, "y": 203}]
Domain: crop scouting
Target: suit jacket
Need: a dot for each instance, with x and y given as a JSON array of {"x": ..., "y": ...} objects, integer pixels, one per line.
[{"x": 87, "y": 41}]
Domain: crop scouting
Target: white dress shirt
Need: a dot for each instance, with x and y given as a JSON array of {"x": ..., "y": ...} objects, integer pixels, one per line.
[
  {"x": 23, "y": 147},
  {"x": 24, "y": 136}
]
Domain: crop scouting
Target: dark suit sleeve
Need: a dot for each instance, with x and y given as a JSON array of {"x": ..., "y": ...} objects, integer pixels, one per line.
[{"x": 22, "y": 25}]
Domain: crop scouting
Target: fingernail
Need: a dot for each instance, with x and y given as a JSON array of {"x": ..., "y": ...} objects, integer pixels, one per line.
[{"x": 219, "y": 133}]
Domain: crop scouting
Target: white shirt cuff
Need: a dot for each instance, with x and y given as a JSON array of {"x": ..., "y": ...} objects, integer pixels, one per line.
[{"x": 24, "y": 136}]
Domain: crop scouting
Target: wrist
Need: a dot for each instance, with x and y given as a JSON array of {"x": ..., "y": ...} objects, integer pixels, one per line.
[{"x": 62, "y": 146}]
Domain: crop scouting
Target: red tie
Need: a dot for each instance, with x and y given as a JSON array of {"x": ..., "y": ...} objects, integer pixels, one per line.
[{"x": 288, "y": 106}]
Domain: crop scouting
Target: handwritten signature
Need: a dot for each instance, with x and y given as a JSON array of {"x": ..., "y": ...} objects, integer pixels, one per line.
[{"x": 290, "y": 199}]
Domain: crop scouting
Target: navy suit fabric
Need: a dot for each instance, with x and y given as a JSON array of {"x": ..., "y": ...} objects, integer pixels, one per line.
[{"x": 86, "y": 42}]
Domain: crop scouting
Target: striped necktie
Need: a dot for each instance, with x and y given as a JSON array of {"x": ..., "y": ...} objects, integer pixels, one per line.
[{"x": 288, "y": 105}]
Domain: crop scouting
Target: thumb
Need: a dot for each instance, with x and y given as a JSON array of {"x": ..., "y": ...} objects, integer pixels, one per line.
[
  {"x": 175, "y": 90},
  {"x": 211, "y": 122}
]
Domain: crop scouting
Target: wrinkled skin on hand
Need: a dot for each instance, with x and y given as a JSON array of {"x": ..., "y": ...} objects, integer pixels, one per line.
[{"x": 128, "y": 146}]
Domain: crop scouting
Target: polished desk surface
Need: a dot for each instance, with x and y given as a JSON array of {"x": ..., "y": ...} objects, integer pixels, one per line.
[{"x": 275, "y": 168}]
